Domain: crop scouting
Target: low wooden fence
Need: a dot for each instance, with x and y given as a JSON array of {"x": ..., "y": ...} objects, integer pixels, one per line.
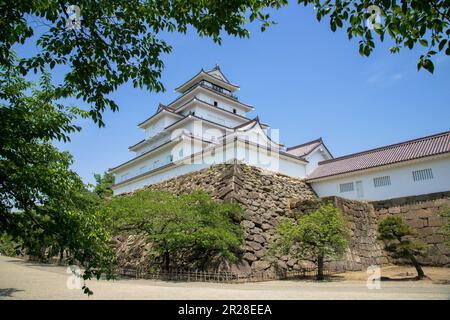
[{"x": 225, "y": 277}]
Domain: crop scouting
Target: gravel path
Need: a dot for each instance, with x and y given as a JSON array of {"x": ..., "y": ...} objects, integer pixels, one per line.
[{"x": 25, "y": 280}]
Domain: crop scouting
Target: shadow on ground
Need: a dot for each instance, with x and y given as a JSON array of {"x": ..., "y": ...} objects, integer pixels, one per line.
[{"x": 8, "y": 292}]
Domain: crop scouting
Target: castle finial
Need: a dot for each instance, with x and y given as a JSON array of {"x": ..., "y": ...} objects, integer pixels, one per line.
[{"x": 217, "y": 67}]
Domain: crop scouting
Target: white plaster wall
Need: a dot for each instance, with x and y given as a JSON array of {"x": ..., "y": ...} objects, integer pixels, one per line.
[
  {"x": 221, "y": 103},
  {"x": 314, "y": 158},
  {"x": 159, "y": 125},
  {"x": 402, "y": 183},
  {"x": 152, "y": 145},
  {"x": 210, "y": 114},
  {"x": 157, "y": 160},
  {"x": 240, "y": 151}
]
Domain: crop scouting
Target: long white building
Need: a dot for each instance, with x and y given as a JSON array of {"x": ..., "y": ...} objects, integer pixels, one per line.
[
  {"x": 416, "y": 167},
  {"x": 207, "y": 124}
]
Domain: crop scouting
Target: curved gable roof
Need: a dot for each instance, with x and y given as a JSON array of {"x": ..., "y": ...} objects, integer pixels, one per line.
[
  {"x": 250, "y": 125},
  {"x": 209, "y": 76}
]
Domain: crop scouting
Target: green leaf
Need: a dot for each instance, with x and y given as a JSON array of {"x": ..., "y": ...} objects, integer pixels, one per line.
[
  {"x": 428, "y": 65},
  {"x": 423, "y": 42},
  {"x": 333, "y": 26}
]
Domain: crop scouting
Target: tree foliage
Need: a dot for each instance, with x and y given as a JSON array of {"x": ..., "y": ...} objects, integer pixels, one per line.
[
  {"x": 103, "y": 184},
  {"x": 407, "y": 22},
  {"x": 187, "y": 230},
  {"x": 122, "y": 40},
  {"x": 399, "y": 241},
  {"x": 119, "y": 40},
  {"x": 446, "y": 227},
  {"x": 315, "y": 236},
  {"x": 43, "y": 204},
  {"x": 8, "y": 247}
]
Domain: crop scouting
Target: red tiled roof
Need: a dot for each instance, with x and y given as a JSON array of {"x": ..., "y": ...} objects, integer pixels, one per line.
[
  {"x": 396, "y": 153},
  {"x": 305, "y": 148}
]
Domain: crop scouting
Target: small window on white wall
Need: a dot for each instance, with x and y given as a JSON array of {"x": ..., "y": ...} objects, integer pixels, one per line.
[
  {"x": 347, "y": 187},
  {"x": 359, "y": 189},
  {"x": 382, "y": 181},
  {"x": 421, "y": 175}
]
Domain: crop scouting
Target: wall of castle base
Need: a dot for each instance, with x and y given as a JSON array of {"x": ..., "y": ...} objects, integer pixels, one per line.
[
  {"x": 266, "y": 198},
  {"x": 423, "y": 214}
]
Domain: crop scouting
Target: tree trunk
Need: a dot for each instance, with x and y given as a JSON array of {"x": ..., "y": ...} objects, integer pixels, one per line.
[
  {"x": 420, "y": 273},
  {"x": 61, "y": 256},
  {"x": 167, "y": 260},
  {"x": 320, "y": 263}
]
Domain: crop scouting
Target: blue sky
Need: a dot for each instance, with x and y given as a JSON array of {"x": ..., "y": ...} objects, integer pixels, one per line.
[{"x": 302, "y": 79}]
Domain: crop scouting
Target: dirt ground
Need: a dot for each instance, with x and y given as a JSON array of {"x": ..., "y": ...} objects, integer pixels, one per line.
[
  {"x": 26, "y": 280},
  {"x": 402, "y": 273}
]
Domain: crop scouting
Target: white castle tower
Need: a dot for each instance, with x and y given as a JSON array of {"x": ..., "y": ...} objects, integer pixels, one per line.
[{"x": 205, "y": 125}]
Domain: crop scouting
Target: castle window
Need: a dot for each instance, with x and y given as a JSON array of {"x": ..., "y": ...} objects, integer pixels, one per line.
[
  {"x": 421, "y": 175},
  {"x": 215, "y": 104},
  {"x": 234, "y": 111},
  {"x": 382, "y": 181},
  {"x": 347, "y": 187}
]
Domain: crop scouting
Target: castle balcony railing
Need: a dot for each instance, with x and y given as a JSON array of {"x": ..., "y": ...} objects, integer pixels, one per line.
[
  {"x": 210, "y": 86},
  {"x": 218, "y": 89}
]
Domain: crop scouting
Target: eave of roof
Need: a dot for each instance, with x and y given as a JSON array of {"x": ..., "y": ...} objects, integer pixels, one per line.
[
  {"x": 185, "y": 86},
  {"x": 198, "y": 86},
  {"x": 161, "y": 110},
  {"x": 165, "y": 144},
  {"x": 218, "y": 68},
  {"x": 305, "y": 144},
  {"x": 314, "y": 145},
  {"x": 254, "y": 122},
  {"x": 199, "y": 119},
  {"x": 212, "y": 106}
]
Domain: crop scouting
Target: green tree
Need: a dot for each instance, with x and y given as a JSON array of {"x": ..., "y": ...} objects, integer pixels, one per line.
[
  {"x": 186, "y": 230},
  {"x": 406, "y": 22},
  {"x": 399, "y": 241},
  {"x": 315, "y": 237},
  {"x": 446, "y": 227},
  {"x": 103, "y": 184},
  {"x": 8, "y": 247},
  {"x": 43, "y": 204},
  {"x": 121, "y": 40}
]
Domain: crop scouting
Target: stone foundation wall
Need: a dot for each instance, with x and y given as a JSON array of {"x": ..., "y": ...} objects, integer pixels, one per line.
[
  {"x": 422, "y": 213},
  {"x": 266, "y": 198},
  {"x": 363, "y": 247}
]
